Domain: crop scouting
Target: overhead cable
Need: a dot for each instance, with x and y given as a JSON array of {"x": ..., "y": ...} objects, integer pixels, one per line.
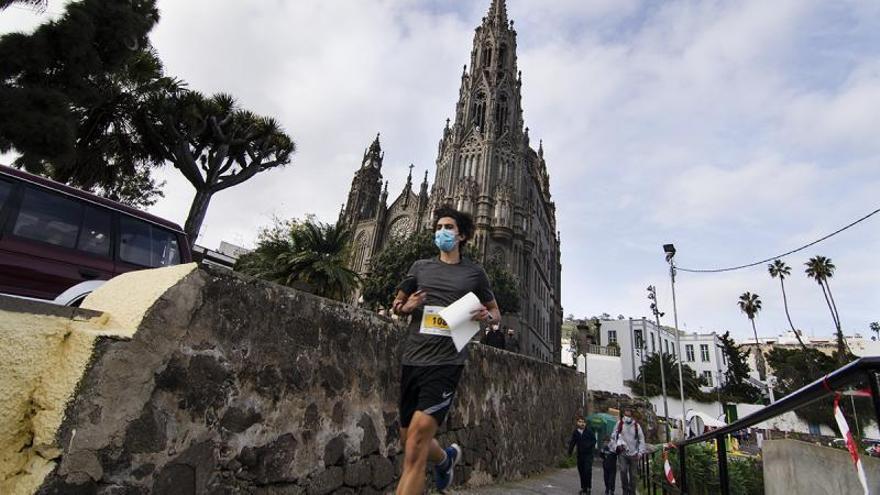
[{"x": 778, "y": 256}]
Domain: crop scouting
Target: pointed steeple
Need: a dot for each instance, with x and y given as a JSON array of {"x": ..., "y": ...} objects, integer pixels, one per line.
[
  {"x": 408, "y": 185},
  {"x": 373, "y": 155},
  {"x": 424, "y": 189},
  {"x": 498, "y": 12}
]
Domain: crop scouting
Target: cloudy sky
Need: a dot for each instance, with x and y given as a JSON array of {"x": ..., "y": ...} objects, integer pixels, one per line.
[{"x": 736, "y": 130}]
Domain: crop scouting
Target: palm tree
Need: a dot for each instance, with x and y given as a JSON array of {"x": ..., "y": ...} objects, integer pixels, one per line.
[
  {"x": 875, "y": 327},
  {"x": 820, "y": 269},
  {"x": 750, "y": 304},
  {"x": 778, "y": 269},
  {"x": 317, "y": 260}
]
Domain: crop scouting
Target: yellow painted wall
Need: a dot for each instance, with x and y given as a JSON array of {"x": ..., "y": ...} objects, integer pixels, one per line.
[{"x": 43, "y": 357}]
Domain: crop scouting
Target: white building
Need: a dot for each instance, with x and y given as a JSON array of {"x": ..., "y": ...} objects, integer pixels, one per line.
[
  {"x": 603, "y": 371},
  {"x": 704, "y": 353},
  {"x": 859, "y": 345},
  {"x": 639, "y": 339}
]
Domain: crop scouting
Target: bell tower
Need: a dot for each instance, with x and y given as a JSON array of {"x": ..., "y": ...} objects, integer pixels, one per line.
[{"x": 366, "y": 188}]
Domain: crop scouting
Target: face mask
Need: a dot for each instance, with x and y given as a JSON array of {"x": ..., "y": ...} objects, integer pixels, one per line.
[
  {"x": 627, "y": 419},
  {"x": 445, "y": 240}
]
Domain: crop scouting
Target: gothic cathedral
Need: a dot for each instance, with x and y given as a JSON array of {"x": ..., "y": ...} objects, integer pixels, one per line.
[{"x": 485, "y": 166}]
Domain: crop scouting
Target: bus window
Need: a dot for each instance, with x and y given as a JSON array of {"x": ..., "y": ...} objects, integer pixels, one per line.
[
  {"x": 165, "y": 249},
  {"x": 49, "y": 218},
  {"x": 94, "y": 236},
  {"x": 147, "y": 245}
]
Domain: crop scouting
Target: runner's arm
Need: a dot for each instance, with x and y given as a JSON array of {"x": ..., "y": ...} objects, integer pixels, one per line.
[
  {"x": 489, "y": 312},
  {"x": 405, "y": 304}
]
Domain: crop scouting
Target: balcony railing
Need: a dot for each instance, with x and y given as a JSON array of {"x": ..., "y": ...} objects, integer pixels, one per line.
[
  {"x": 603, "y": 350},
  {"x": 862, "y": 368}
]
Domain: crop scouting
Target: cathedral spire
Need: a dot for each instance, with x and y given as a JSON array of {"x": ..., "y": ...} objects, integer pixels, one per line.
[
  {"x": 498, "y": 12},
  {"x": 373, "y": 155}
]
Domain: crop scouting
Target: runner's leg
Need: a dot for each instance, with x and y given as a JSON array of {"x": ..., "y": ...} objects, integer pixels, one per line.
[{"x": 420, "y": 443}]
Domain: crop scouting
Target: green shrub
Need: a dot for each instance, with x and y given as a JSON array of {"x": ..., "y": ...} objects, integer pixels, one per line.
[{"x": 746, "y": 475}]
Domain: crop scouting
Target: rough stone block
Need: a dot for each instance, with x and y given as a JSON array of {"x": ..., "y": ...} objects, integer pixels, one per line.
[
  {"x": 326, "y": 481},
  {"x": 238, "y": 420},
  {"x": 334, "y": 451},
  {"x": 370, "y": 442},
  {"x": 358, "y": 474},
  {"x": 383, "y": 471},
  {"x": 147, "y": 433}
]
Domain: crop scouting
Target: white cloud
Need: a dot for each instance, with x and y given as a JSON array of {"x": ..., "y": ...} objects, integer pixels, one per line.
[
  {"x": 736, "y": 130},
  {"x": 739, "y": 196}
]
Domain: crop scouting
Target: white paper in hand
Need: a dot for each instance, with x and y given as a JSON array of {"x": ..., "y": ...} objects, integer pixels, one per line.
[{"x": 458, "y": 316}]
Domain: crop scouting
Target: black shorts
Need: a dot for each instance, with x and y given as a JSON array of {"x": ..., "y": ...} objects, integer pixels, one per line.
[{"x": 429, "y": 389}]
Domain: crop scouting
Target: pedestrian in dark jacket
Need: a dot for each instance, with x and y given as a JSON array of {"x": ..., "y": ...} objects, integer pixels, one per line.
[
  {"x": 585, "y": 440},
  {"x": 494, "y": 337},
  {"x": 609, "y": 465}
]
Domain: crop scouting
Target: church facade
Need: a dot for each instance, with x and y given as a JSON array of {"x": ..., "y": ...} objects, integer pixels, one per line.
[{"x": 485, "y": 166}]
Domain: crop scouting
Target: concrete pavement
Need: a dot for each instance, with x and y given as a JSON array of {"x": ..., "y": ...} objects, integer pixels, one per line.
[{"x": 557, "y": 481}]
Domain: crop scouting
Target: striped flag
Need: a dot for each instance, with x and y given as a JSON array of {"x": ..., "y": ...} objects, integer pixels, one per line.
[
  {"x": 850, "y": 443},
  {"x": 667, "y": 468}
]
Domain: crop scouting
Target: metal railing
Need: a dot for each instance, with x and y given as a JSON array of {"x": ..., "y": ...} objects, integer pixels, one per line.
[
  {"x": 865, "y": 367},
  {"x": 603, "y": 350}
]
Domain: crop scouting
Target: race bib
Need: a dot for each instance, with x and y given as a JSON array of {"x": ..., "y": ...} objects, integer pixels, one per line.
[{"x": 432, "y": 323}]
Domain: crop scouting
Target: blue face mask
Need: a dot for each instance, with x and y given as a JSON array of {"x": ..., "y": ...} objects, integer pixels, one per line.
[{"x": 445, "y": 240}]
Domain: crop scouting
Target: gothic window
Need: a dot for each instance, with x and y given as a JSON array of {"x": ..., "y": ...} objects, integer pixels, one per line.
[
  {"x": 360, "y": 252},
  {"x": 400, "y": 228},
  {"x": 502, "y": 55},
  {"x": 487, "y": 55},
  {"x": 478, "y": 110},
  {"x": 501, "y": 113}
]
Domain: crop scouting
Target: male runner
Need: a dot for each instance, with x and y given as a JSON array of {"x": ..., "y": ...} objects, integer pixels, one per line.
[{"x": 431, "y": 366}]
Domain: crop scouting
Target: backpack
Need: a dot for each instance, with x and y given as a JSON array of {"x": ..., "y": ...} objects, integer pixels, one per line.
[{"x": 638, "y": 427}]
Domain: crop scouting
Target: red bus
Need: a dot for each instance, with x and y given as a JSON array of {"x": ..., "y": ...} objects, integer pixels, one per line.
[{"x": 59, "y": 243}]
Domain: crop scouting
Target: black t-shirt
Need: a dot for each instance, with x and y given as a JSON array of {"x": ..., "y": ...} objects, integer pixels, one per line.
[{"x": 444, "y": 284}]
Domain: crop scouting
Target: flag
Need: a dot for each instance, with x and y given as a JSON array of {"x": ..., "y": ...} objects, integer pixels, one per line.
[
  {"x": 850, "y": 443},
  {"x": 667, "y": 468}
]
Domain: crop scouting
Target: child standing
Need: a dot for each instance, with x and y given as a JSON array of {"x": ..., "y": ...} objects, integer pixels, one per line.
[
  {"x": 585, "y": 440},
  {"x": 609, "y": 465}
]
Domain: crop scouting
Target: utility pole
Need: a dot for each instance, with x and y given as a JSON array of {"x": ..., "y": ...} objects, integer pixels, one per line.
[
  {"x": 583, "y": 346},
  {"x": 669, "y": 249},
  {"x": 652, "y": 296}
]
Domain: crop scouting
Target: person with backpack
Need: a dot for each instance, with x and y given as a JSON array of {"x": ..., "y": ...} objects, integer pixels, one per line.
[{"x": 629, "y": 442}]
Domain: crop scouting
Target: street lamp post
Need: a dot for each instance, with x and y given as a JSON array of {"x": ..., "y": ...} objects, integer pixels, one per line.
[
  {"x": 669, "y": 249},
  {"x": 582, "y": 337},
  {"x": 652, "y": 296}
]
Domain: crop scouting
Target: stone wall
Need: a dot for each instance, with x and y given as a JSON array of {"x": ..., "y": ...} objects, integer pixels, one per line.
[
  {"x": 234, "y": 385},
  {"x": 792, "y": 466}
]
